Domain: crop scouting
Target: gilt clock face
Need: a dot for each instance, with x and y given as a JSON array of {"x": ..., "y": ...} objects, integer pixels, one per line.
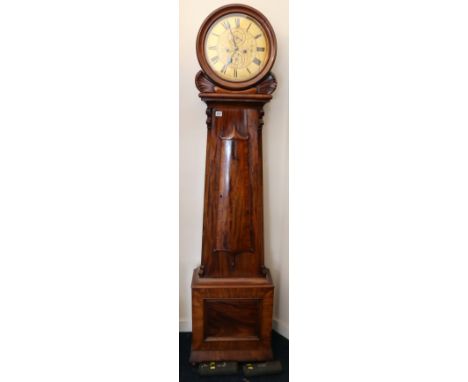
[{"x": 236, "y": 47}]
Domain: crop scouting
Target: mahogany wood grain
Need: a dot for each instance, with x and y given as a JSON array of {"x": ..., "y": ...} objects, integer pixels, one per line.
[{"x": 231, "y": 320}]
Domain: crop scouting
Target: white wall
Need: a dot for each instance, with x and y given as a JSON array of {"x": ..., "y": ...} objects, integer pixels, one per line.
[{"x": 192, "y": 158}]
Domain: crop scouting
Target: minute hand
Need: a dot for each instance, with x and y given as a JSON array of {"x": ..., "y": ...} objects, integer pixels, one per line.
[{"x": 233, "y": 38}]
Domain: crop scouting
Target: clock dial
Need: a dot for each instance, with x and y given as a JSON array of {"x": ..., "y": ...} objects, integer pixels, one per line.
[{"x": 236, "y": 47}]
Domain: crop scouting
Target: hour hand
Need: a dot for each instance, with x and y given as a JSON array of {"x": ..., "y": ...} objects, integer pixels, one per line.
[{"x": 233, "y": 38}]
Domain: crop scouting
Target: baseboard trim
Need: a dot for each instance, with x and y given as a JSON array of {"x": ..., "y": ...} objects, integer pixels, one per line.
[
  {"x": 185, "y": 325},
  {"x": 281, "y": 327},
  {"x": 278, "y": 325}
]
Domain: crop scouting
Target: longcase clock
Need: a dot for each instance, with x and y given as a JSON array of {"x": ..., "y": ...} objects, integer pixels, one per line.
[{"x": 232, "y": 290}]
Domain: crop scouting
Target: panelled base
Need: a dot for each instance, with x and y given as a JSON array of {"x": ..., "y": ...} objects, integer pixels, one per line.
[{"x": 231, "y": 318}]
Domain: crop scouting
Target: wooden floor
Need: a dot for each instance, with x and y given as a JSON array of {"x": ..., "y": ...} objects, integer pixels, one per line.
[{"x": 188, "y": 373}]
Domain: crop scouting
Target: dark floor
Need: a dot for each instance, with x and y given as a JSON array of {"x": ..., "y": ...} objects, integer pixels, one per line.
[{"x": 188, "y": 373}]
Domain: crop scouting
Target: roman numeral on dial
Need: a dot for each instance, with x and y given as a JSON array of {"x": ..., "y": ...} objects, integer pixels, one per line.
[
  {"x": 215, "y": 47},
  {"x": 256, "y": 61},
  {"x": 226, "y": 25},
  {"x": 259, "y": 49},
  {"x": 214, "y": 59},
  {"x": 235, "y": 73},
  {"x": 258, "y": 36},
  {"x": 237, "y": 22}
]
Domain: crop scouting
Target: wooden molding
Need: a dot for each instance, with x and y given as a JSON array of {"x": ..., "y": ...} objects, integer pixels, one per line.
[
  {"x": 206, "y": 86},
  {"x": 203, "y": 83},
  {"x": 268, "y": 85}
]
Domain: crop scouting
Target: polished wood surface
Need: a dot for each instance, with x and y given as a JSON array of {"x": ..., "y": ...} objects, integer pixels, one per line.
[
  {"x": 233, "y": 224},
  {"x": 233, "y": 240},
  {"x": 232, "y": 290},
  {"x": 231, "y": 318}
]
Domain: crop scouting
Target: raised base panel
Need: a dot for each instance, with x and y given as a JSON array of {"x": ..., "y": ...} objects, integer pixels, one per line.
[{"x": 231, "y": 318}]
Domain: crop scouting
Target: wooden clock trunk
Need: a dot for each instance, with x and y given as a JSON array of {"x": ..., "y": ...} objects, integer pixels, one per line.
[{"x": 232, "y": 291}]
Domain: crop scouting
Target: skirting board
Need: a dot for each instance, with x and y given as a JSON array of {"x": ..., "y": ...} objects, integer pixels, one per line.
[
  {"x": 280, "y": 326},
  {"x": 185, "y": 326}
]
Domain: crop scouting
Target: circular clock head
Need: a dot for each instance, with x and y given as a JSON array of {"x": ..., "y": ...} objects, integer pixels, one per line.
[{"x": 236, "y": 46}]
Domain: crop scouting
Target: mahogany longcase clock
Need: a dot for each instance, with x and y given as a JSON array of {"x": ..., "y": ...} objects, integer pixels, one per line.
[{"x": 232, "y": 290}]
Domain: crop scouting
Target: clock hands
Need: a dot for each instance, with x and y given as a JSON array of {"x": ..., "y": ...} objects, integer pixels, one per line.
[
  {"x": 237, "y": 49},
  {"x": 229, "y": 61},
  {"x": 233, "y": 39}
]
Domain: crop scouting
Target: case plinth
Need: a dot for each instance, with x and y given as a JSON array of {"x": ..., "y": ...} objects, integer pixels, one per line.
[{"x": 231, "y": 318}]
